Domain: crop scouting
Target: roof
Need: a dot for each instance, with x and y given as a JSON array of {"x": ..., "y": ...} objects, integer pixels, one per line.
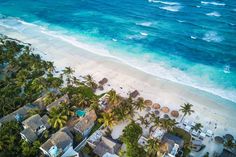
[
  {"x": 107, "y": 146},
  {"x": 33, "y": 122},
  {"x": 172, "y": 139},
  {"x": 58, "y": 102},
  {"x": 29, "y": 134},
  {"x": 23, "y": 112},
  {"x": 226, "y": 153},
  {"x": 45, "y": 121},
  {"x": 60, "y": 139},
  {"x": 86, "y": 122},
  {"x": 134, "y": 94}
]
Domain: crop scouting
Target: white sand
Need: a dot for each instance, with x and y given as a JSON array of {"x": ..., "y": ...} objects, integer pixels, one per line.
[{"x": 208, "y": 108}]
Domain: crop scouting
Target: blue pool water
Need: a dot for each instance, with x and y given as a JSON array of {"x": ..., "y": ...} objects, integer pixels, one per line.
[
  {"x": 189, "y": 42},
  {"x": 80, "y": 113}
]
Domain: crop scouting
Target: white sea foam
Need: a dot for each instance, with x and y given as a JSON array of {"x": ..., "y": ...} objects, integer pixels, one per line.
[
  {"x": 193, "y": 37},
  {"x": 181, "y": 21},
  {"x": 164, "y": 2},
  {"x": 114, "y": 39},
  {"x": 213, "y": 3},
  {"x": 143, "y": 33},
  {"x": 212, "y": 36},
  {"x": 146, "y": 24},
  {"x": 198, "y": 6},
  {"x": 171, "y": 8},
  {"x": 214, "y": 13}
]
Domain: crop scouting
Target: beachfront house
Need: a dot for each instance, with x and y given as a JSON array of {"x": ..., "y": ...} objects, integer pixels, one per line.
[
  {"x": 59, "y": 144},
  {"x": 20, "y": 114},
  {"x": 58, "y": 102},
  {"x": 107, "y": 147},
  {"x": 33, "y": 127},
  {"x": 104, "y": 102},
  {"x": 86, "y": 123},
  {"x": 174, "y": 143}
]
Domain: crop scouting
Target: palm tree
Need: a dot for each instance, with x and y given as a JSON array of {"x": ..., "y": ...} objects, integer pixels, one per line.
[
  {"x": 114, "y": 99},
  {"x": 229, "y": 144},
  {"x": 90, "y": 82},
  {"x": 68, "y": 71},
  {"x": 156, "y": 122},
  {"x": 139, "y": 104},
  {"x": 186, "y": 109},
  {"x": 168, "y": 124},
  {"x": 57, "y": 118},
  {"x": 197, "y": 127},
  {"x": 50, "y": 67},
  {"x": 107, "y": 119},
  {"x": 152, "y": 147}
]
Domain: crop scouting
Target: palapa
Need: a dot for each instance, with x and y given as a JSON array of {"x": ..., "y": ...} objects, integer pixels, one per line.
[
  {"x": 165, "y": 109},
  {"x": 148, "y": 102},
  {"x": 175, "y": 113},
  {"x": 156, "y": 106}
]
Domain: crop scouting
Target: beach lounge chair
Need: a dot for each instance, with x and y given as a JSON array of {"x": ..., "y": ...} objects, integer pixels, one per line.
[
  {"x": 186, "y": 122},
  {"x": 187, "y": 128},
  {"x": 202, "y": 135},
  {"x": 209, "y": 133},
  {"x": 195, "y": 133}
]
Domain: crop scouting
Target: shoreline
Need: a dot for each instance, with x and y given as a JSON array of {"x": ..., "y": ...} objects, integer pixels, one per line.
[{"x": 124, "y": 78}]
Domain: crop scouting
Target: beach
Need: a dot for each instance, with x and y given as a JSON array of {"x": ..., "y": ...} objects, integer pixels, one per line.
[{"x": 209, "y": 109}]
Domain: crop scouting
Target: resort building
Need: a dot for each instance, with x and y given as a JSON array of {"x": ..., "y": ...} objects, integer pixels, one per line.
[
  {"x": 34, "y": 126},
  {"x": 58, "y": 102},
  {"x": 20, "y": 114},
  {"x": 59, "y": 144},
  {"x": 107, "y": 147},
  {"x": 174, "y": 143},
  {"x": 103, "y": 102},
  {"x": 142, "y": 141},
  {"x": 86, "y": 123}
]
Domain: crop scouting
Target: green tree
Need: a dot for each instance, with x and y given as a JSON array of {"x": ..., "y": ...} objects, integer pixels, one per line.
[
  {"x": 229, "y": 144},
  {"x": 114, "y": 98},
  {"x": 107, "y": 119},
  {"x": 186, "y": 109},
  {"x": 29, "y": 150},
  {"x": 152, "y": 147},
  {"x": 57, "y": 117},
  {"x": 168, "y": 124},
  {"x": 139, "y": 104},
  {"x": 197, "y": 126}
]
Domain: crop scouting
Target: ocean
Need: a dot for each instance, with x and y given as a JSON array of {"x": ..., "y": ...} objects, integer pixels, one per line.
[{"x": 188, "y": 42}]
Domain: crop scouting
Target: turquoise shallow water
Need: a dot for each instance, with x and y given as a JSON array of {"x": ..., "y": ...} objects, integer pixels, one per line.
[{"x": 189, "y": 42}]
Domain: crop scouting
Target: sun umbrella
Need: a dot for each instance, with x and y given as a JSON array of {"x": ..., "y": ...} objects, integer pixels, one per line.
[
  {"x": 229, "y": 137},
  {"x": 148, "y": 109},
  {"x": 148, "y": 102},
  {"x": 166, "y": 116},
  {"x": 157, "y": 112},
  {"x": 165, "y": 109},
  {"x": 175, "y": 113},
  {"x": 156, "y": 106},
  {"x": 219, "y": 139}
]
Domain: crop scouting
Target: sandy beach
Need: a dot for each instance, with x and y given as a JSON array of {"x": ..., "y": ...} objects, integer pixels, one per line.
[{"x": 209, "y": 109}]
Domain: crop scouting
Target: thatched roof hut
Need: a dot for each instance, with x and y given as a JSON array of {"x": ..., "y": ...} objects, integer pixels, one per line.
[
  {"x": 148, "y": 109},
  {"x": 134, "y": 94},
  {"x": 175, "y": 113},
  {"x": 103, "y": 81},
  {"x": 156, "y": 106},
  {"x": 165, "y": 109},
  {"x": 148, "y": 102},
  {"x": 219, "y": 139},
  {"x": 157, "y": 112},
  {"x": 229, "y": 137}
]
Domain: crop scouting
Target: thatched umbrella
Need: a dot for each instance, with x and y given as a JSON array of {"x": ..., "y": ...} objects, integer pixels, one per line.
[
  {"x": 156, "y": 106},
  {"x": 175, "y": 113},
  {"x": 148, "y": 102},
  {"x": 103, "y": 81},
  {"x": 148, "y": 109},
  {"x": 134, "y": 94},
  {"x": 165, "y": 109},
  {"x": 219, "y": 139},
  {"x": 166, "y": 116},
  {"x": 228, "y": 137},
  {"x": 157, "y": 112}
]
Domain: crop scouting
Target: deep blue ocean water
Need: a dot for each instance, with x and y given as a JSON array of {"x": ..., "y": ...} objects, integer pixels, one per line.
[{"x": 190, "y": 42}]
